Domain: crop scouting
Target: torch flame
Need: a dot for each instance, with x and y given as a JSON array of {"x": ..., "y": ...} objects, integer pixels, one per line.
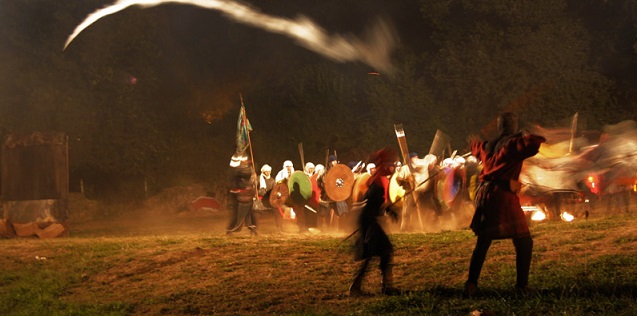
[
  {"x": 567, "y": 217},
  {"x": 538, "y": 216},
  {"x": 537, "y": 213}
]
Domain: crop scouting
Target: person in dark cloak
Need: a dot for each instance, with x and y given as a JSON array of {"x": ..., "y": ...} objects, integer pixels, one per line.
[
  {"x": 498, "y": 212},
  {"x": 243, "y": 190},
  {"x": 371, "y": 240}
]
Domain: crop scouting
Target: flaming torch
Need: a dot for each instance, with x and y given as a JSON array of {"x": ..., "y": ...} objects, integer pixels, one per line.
[
  {"x": 537, "y": 214},
  {"x": 567, "y": 217}
]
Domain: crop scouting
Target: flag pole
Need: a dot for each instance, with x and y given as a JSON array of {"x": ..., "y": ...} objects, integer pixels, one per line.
[
  {"x": 254, "y": 171},
  {"x": 249, "y": 140}
]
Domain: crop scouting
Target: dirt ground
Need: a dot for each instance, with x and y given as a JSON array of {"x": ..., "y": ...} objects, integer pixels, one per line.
[
  {"x": 124, "y": 259},
  {"x": 167, "y": 213}
]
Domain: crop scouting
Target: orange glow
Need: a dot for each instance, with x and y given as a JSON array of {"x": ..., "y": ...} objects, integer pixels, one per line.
[
  {"x": 538, "y": 216},
  {"x": 591, "y": 182},
  {"x": 567, "y": 217}
]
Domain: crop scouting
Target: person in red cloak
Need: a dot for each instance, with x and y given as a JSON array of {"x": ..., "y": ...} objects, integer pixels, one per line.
[
  {"x": 498, "y": 212},
  {"x": 372, "y": 241}
]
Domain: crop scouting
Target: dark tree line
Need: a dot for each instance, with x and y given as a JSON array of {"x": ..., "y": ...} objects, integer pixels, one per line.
[{"x": 153, "y": 94}]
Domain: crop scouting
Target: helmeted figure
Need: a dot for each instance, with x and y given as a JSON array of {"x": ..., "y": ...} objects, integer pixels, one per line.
[
  {"x": 266, "y": 183},
  {"x": 309, "y": 169},
  {"x": 498, "y": 212},
  {"x": 370, "y": 168},
  {"x": 286, "y": 172}
]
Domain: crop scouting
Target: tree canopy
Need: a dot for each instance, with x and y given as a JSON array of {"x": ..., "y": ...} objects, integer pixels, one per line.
[{"x": 154, "y": 93}]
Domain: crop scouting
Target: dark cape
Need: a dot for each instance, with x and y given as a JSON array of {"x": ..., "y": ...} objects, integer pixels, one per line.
[{"x": 372, "y": 239}]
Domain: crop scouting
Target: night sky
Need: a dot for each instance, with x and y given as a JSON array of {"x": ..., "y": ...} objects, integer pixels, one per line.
[
  {"x": 201, "y": 60},
  {"x": 198, "y": 44}
]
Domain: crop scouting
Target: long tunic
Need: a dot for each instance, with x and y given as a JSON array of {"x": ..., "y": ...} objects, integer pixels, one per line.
[
  {"x": 243, "y": 190},
  {"x": 498, "y": 212},
  {"x": 372, "y": 239}
]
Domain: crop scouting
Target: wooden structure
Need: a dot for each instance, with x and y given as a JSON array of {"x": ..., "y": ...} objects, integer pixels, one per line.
[{"x": 35, "y": 179}]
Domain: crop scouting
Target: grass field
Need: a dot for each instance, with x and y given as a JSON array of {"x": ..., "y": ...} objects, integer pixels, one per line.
[{"x": 188, "y": 266}]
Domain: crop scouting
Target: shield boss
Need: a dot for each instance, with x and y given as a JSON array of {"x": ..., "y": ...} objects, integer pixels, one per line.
[
  {"x": 279, "y": 194},
  {"x": 338, "y": 182}
]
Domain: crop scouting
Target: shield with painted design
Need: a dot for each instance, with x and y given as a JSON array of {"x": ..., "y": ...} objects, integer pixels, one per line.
[
  {"x": 396, "y": 191},
  {"x": 300, "y": 188},
  {"x": 360, "y": 187},
  {"x": 279, "y": 194},
  {"x": 338, "y": 182},
  {"x": 448, "y": 186}
]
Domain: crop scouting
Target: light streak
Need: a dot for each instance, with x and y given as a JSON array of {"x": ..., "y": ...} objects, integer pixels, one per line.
[{"x": 375, "y": 52}]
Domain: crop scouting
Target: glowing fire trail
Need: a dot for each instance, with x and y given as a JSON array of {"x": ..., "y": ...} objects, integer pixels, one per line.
[{"x": 302, "y": 29}]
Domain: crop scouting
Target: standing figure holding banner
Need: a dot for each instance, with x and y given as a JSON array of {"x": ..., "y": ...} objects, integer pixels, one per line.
[{"x": 242, "y": 188}]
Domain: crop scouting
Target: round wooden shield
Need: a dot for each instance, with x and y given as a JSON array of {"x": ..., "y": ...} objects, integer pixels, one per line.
[
  {"x": 474, "y": 181},
  {"x": 447, "y": 188},
  {"x": 338, "y": 182},
  {"x": 300, "y": 188},
  {"x": 360, "y": 187},
  {"x": 396, "y": 191},
  {"x": 279, "y": 194},
  {"x": 452, "y": 186},
  {"x": 266, "y": 199}
]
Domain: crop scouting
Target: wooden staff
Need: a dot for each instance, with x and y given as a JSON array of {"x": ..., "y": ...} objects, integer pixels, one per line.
[
  {"x": 302, "y": 156},
  {"x": 402, "y": 143},
  {"x": 254, "y": 171}
]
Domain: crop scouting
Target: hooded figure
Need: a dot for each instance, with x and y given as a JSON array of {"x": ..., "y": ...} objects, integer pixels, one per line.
[
  {"x": 286, "y": 172},
  {"x": 309, "y": 169},
  {"x": 266, "y": 182}
]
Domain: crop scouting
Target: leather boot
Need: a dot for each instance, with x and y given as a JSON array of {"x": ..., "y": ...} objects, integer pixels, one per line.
[
  {"x": 470, "y": 290},
  {"x": 355, "y": 288},
  {"x": 387, "y": 283}
]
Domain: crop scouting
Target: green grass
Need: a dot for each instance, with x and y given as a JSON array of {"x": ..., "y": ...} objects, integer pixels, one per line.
[{"x": 578, "y": 268}]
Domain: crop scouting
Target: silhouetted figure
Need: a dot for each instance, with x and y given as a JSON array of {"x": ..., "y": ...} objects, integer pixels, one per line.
[
  {"x": 498, "y": 212},
  {"x": 372, "y": 241}
]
